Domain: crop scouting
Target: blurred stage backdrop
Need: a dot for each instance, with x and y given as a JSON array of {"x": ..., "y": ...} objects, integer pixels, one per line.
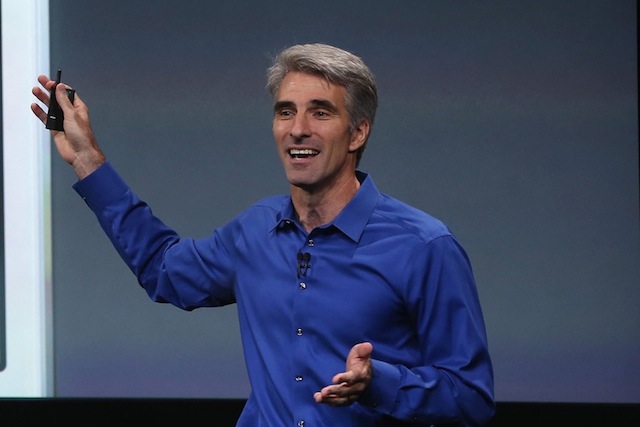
[{"x": 516, "y": 123}]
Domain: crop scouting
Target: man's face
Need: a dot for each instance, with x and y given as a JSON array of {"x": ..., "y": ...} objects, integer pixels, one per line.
[{"x": 311, "y": 130}]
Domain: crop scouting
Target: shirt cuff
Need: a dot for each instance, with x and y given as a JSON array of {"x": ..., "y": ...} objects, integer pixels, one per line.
[
  {"x": 382, "y": 392},
  {"x": 102, "y": 187}
]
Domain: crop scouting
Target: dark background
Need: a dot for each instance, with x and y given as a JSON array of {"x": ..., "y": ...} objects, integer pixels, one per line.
[{"x": 516, "y": 123}]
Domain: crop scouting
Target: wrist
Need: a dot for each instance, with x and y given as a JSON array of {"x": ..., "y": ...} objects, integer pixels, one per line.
[{"x": 85, "y": 163}]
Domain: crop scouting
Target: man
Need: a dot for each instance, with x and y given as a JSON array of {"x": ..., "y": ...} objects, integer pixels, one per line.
[{"x": 355, "y": 309}]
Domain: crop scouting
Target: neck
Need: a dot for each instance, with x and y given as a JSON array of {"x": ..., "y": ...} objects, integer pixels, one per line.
[{"x": 316, "y": 208}]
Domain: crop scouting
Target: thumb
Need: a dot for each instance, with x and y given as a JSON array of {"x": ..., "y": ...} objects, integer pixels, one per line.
[
  {"x": 359, "y": 352},
  {"x": 63, "y": 95}
]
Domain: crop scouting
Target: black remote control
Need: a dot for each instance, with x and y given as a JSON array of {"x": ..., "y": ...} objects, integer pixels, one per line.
[{"x": 55, "y": 116}]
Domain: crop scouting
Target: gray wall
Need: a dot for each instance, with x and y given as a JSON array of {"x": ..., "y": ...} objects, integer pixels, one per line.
[{"x": 516, "y": 123}]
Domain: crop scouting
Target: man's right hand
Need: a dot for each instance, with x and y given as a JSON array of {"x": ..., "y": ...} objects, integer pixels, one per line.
[{"x": 76, "y": 144}]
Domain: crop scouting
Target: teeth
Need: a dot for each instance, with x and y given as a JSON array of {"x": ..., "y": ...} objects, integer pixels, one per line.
[{"x": 305, "y": 152}]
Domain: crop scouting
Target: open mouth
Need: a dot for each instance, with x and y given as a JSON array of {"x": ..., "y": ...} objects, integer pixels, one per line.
[{"x": 302, "y": 153}]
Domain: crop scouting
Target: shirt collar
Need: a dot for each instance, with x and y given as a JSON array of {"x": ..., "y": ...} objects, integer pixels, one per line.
[{"x": 353, "y": 218}]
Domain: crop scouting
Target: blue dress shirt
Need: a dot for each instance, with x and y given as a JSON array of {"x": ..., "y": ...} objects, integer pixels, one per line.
[{"x": 382, "y": 272}]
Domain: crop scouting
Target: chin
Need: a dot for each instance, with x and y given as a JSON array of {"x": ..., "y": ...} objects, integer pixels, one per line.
[
  {"x": 303, "y": 184},
  {"x": 299, "y": 183},
  {"x": 297, "y": 178}
]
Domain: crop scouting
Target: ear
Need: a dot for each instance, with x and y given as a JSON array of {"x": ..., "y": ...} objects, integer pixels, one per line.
[{"x": 359, "y": 136}]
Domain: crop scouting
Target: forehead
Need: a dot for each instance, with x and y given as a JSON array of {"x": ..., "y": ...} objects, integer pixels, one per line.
[{"x": 297, "y": 85}]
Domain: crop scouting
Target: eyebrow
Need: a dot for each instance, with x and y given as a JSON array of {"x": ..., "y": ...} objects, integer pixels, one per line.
[
  {"x": 282, "y": 105},
  {"x": 323, "y": 103},
  {"x": 314, "y": 103}
]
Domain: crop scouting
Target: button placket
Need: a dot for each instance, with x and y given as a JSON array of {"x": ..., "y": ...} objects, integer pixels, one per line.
[{"x": 299, "y": 331}]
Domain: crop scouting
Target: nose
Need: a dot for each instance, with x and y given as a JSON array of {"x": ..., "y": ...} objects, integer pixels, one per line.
[{"x": 300, "y": 127}]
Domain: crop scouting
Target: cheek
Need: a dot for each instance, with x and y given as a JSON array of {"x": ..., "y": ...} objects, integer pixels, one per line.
[{"x": 280, "y": 130}]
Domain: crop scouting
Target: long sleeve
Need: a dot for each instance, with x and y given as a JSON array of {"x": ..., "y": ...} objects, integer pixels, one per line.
[
  {"x": 165, "y": 265},
  {"x": 454, "y": 384},
  {"x": 381, "y": 272}
]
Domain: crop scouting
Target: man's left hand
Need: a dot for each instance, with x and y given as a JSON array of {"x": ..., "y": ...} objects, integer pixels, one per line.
[{"x": 347, "y": 386}]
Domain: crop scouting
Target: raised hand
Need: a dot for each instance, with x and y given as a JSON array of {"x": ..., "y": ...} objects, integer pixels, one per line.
[{"x": 76, "y": 144}]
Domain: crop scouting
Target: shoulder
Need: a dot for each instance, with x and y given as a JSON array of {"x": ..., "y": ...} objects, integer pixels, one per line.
[
  {"x": 268, "y": 209},
  {"x": 408, "y": 219},
  {"x": 254, "y": 222},
  {"x": 275, "y": 202}
]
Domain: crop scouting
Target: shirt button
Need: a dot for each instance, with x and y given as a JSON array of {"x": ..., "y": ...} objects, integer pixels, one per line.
[
  {"x": 310, "y": 242},
  {"x": 298, "y": 378},
  {"x": 301, "y": 423},
  {"x": 299, "y": 331},
  {"x": 303, "y": 285}
]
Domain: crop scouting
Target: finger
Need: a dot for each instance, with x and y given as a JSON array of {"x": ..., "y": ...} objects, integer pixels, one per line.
[
  {"x": 331, "y": 400},
  {"x": 356, "y": 374},
  {"x": 39, "y": 112},
  {"x": 337, "y": 390},
  {"x": 336, "y": 387},
  {"x": 345, "y": 378},
  {"x": 42, "y": 95},
  {"x": 335, "y": 400},
  {"x": 340, "y": 401},
  {"x": 45, "y": 81}
]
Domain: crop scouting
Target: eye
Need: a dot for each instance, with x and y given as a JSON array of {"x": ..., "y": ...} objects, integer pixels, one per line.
[{"x": 284, "y": 113}]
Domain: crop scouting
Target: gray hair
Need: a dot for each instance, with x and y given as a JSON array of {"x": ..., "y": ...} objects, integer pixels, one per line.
[{"x": 338, "y": 67}]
